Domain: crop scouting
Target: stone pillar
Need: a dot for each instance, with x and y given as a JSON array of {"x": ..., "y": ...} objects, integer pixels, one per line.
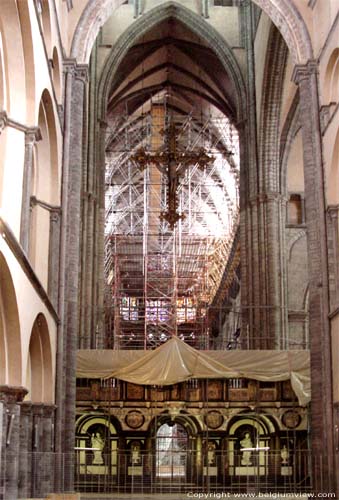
[
  {"x": 10, "y": 446},
  {"x": 99, "y": 237},
  {"x": 333, "y": 253},
  {"x": 32, "y": 135},
  {"x": 53, "y": 257},
  {"x": 25, "y": 458},
  {"x": 306, "y": 76},
  {"x": 47, "y": 448},
  {"x": 37, "y": 456},
  {"x": 75, "y": 101}
]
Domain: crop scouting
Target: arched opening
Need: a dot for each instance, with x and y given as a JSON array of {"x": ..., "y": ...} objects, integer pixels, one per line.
[
  {"x": 10, "y": 339},
  {"x": 2, "y": 77},
  {"x": 39, "y": 374},
  {"x": 44, "y": 188},
  {"x": 331, "y": 85},
  {"x": 333, "y": 177},
  {"x": 45, "y": 16},
  {"x": 148, "y": 88},
  {"x": 171, "y": 104},
  {"x": 285, "y": 16},
  {"x": 56, "y": 74},
  {"x": 171, "y": 451},
  {"x": 96, "y": 449}
]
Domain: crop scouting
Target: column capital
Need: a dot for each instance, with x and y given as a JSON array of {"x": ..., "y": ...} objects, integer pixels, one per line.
[
  {"x": 49, "y": 410},
  {"x": 81, "y": 72},
  {"x": 268, "y": 196},
  {"x": 12, "y": 394},
  {"x": 32, "y": 135},
  {"x": 38, "y": 409},
  {"x": 304, "y": 71},
  {"x": 78, "y": 71},
  {"x": 69, "y": 65},
  {"x": 333, "y": 211}
]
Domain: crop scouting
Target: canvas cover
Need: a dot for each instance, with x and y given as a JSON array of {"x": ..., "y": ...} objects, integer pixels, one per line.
[{"x": 175, "y": 361}]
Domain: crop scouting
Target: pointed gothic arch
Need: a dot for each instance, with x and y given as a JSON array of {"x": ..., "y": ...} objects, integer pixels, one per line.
[
  {"x": 284, "y": 15},
  {"x": 196, "y": 25}
]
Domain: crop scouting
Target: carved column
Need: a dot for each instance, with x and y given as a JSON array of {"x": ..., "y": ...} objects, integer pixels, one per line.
[
  {"x": 306, "y": 76},
  {"x": 10, "y": 446},
  {"x": 31, "y": 137}
]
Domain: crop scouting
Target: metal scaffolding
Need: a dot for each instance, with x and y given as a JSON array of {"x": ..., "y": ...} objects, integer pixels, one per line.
[{"x": 160, "y": 281}]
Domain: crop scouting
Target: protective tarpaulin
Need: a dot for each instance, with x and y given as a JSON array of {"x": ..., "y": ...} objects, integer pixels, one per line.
[{"x": 175, "y": 361}]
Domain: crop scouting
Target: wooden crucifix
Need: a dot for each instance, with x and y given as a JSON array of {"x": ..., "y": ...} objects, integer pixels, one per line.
[{"x": 172, "y": 163}]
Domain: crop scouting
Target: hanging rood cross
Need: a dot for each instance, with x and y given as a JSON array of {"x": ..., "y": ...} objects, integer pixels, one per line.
[{"x": 173, "y": 164}]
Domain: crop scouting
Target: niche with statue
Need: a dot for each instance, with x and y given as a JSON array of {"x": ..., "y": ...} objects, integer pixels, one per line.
[
  {"x": 96, "y": 447},
  {"x": 248, "y": 447}
]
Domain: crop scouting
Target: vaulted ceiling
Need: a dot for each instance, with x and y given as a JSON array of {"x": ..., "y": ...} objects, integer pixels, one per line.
[{"x": 170, "y": 67}]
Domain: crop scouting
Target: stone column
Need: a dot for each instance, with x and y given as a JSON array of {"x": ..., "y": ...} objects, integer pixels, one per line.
[
  {"x": 10, "y": 446},
  {"x": 32, "y": 135},
  {"x": 99, "y": 237},
  {"x": 333, "y": 253},
  {"x": 306, "y": 76},
  {"x": 37, "y": 456},
  {"x": 53, "y": 256},
  {"x": 75, "y": 101},
  {"x": 47, "y": 448}
]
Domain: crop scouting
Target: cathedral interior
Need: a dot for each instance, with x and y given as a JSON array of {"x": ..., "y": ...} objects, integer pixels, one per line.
[{"x": 169, "y": 248}]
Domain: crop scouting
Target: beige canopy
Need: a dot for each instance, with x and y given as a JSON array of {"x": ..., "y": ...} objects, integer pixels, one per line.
[{"x": 175, "y": 361}]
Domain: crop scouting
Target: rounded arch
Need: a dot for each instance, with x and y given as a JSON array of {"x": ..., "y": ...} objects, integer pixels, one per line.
[
  {"x": 48, "y": 184},
  {"x": 39, "y": 366},
  {"x": 189, "y": 422},
  {"x": 85, "y": 422},
  {"x": 194, "y": 23},
  {"x": 331, "y": 81},
  {"x": 3, "y": 90},
  {"x": 45, "y": 16},
  {"x": 13, "y": 61},
  {"x": 284, "y": 15},
  {"x": 264, "y": 424},
  {"x": 10, "y": 337},
  {"x": 45, "y": 186}
]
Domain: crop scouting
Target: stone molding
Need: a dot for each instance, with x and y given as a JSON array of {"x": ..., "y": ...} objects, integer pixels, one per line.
[
  {"x": 43, "y": 204},
  {"x": 304, "y": 71},
  {"x": 78, "y": 71},
  {"x": 267, "y": 197},
  {"x": 33, "y": 134}
]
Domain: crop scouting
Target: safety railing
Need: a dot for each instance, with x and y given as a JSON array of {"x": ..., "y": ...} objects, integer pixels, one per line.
[{"x": 256, "y": 470}]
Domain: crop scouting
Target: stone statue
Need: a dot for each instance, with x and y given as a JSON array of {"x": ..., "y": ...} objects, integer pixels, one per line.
[
  {"x": 246, "y": 442},
  {"x": 285, "y": 455},
  {"x": 98, "y": 443},
  {"x": 211, "y": 454},
  {"x": 135, "y": 459}
]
